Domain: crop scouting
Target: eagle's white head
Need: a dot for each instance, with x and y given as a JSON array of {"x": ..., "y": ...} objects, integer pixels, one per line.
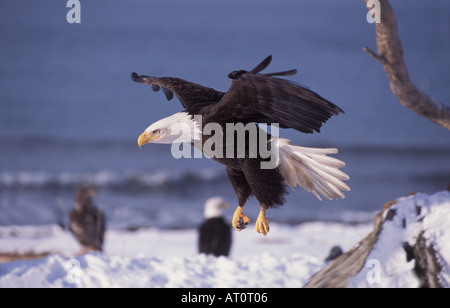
[
  {"x": 214, "y": 207},
  {"x": 178, "y": 128}
]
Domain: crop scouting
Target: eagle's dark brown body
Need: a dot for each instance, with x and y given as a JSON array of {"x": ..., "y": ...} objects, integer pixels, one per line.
[
  {"x": 214, "y": 237},
  {"x": 245, "y": 174},
  {"x": 87, "y": 222}
]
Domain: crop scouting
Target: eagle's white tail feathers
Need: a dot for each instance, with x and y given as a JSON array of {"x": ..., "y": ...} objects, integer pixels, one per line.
[{"x": 312, "y": 169}]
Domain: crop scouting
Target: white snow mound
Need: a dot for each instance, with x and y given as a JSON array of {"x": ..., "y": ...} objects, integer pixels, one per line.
[{"x": 417, "y": 215}]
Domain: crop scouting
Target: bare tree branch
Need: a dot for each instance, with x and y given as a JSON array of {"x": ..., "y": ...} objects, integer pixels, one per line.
[{"x": 390, "y": 55}]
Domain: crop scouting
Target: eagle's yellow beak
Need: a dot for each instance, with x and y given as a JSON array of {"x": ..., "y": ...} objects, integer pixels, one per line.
[{"x": 145, "y": 138}]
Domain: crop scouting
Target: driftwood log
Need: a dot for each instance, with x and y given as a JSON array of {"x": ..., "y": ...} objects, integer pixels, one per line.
[
  {"x": 338, "y": 272},
  {"x": 390, "y": 55}
]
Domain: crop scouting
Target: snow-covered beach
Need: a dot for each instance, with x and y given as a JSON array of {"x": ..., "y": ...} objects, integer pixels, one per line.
[
  {"x": 168, "y": 258},
  {"x": 288, "y": 257}
]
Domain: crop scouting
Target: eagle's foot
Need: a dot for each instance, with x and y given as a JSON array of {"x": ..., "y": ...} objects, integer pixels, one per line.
[
  {"x": 240, "y": 220},
  {"x": 262, "y": 223}
]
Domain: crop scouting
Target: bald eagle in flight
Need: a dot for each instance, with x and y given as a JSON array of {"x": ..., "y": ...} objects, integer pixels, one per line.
[{"x": 251, "y": 99}]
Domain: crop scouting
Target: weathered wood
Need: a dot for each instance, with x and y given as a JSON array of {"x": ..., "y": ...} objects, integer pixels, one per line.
[
  {"x": 426, "y": 267},
  {"x": 390, "y": 55},
  {"x": 337, "y": 273}
]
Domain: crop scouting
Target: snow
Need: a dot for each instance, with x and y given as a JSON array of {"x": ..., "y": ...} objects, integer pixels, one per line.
[
  {"x": 287, "y": 257},
  {"x": 388, "y": 253}
]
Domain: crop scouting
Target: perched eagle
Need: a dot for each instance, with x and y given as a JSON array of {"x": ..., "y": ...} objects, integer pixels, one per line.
[
  {"x": 87, "y": 222},
  {"x": 214, "y": 236},
  {"x": 251, "y": 99}
]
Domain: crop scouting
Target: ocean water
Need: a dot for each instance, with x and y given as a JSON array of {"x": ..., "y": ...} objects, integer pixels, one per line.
[{"x": 69, "y": 113}]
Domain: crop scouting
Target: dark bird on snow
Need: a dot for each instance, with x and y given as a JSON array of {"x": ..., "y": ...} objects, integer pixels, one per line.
[
  {"x": 214, "y": 233},
  {"x": 87, "y": 222},
  {"x": 335, "y": 252},
  {"x": 251, "y": 99}
]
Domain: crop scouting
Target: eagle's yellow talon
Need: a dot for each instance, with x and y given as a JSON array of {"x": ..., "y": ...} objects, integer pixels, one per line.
[
  {"x": 240, "y": 220},
  {"x": 262, "y": 223}
]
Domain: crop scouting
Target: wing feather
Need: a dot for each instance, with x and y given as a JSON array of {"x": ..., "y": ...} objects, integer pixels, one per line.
[
  {"x": 252, "y": 97},
  {"x": 258, "y": 98},
  {"x": 191, "y": 95}
]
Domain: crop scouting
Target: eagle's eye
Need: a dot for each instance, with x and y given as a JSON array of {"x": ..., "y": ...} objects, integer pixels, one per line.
[{"x": 156, "y": 132}]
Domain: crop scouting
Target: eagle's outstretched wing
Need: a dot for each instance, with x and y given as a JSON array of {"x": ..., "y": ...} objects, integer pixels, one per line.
[
  {"x": 263, "y": 98},
  {"x": 192, "y": 96},
  {"x": 252, "y": 97}
]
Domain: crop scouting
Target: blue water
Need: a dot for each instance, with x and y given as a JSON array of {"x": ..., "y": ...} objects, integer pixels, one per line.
[{"x": 69, "y": 113}]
